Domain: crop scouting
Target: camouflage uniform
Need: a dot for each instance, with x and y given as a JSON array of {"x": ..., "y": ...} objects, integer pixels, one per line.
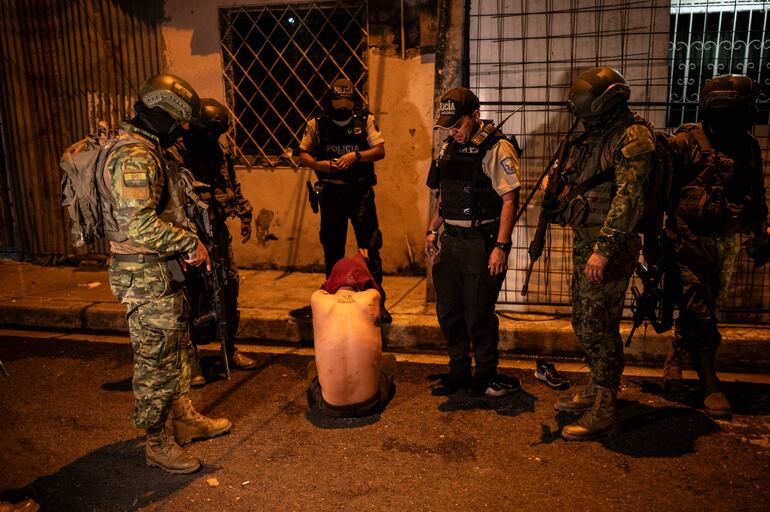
[
  {"x": 614, "y": 208},
  {"x": 213, "y": 166},
  {"x": 705, "y": 251},
  {"x": 154, "y": 228}
]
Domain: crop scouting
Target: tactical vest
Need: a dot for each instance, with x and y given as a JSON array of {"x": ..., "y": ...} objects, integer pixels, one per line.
[
  {"x": 466, "y": 192},
  {"x": 335, "y": 141},
  {"x": 589, "y": 176},
  {"x": 719, "y": 199},
  {"x": 171, "y": 207}
]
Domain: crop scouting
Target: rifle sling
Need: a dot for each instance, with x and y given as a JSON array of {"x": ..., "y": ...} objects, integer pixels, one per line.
[{"x": 592, "y": 182}]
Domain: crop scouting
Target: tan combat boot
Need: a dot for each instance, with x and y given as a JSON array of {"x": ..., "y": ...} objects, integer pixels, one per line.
[
  {"x": 189, "y": 424},
  {"x": 601, "y": 420},
  {"x": 672, "y": 369},
  {"x": 581, "y": 401},
  {"x": 196, "y": 372},
  {"x": 162, "y": 451}
]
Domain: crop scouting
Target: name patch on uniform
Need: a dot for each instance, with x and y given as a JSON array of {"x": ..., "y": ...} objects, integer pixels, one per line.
[
  {"x": 507, "y": 164},
  {"x": 469, "y": 149},
  {"x": 135, "y": 179}
]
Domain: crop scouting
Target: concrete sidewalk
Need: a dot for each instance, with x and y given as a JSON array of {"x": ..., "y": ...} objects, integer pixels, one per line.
[{"x": 41, "y": 297}]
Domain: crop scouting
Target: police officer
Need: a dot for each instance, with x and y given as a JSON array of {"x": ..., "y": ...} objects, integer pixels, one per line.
[
  {"x": 341, "y": 145},
  {"x": 477, "y": 178},
  {"x": 148, "y": 233},
  {"x": 203, "y": 155},
  {"x": 606, "y": 170},
  {"x": 718, "y": 194}
]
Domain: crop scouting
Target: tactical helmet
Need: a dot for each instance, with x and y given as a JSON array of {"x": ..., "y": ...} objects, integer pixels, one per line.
[
  {"x": 213, "y": 117},
  {"x": 172, "y": 95},
  {"x": 597, "y": 91},
  {"x": 727, "y": 92}
]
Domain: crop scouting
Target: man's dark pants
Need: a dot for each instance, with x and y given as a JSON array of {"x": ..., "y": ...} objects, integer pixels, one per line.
[
  {"x": 465, "y": 298},
  {"x": 340, "y": 203}
]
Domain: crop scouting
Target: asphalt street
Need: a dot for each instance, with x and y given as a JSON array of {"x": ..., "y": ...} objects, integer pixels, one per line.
[{"x": 68, "y": 442}]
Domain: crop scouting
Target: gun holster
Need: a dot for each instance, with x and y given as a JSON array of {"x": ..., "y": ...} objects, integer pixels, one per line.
[{"x": 312, "y": 195}]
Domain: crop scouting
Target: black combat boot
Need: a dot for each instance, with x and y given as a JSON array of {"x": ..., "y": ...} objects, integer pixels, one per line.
[
  {"x": 162, "y": 451},
  {"x": 581, "y": 401},
  {"x": 602, "y": 420},
  {"x": 189, "y": 424}
]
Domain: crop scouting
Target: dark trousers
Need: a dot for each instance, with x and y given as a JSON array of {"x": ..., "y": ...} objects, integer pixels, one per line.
[
  {"x": 340, "y": 203},
  {"x": 465, "y": 298}
]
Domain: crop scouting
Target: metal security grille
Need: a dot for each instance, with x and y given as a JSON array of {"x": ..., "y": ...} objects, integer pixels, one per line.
[
  {"x": 527, "y": 53},
  {"x": 710, "y": 38},
  {"x": 278, "y": 64}
]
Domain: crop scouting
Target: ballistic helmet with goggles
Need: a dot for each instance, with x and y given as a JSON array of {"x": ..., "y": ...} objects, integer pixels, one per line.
[
  {"x": 171, "y": 94},
  {"x": 596, "y": 92},
  {"x": 728, "y": 92},
  {"x": 213, "y": 117}
]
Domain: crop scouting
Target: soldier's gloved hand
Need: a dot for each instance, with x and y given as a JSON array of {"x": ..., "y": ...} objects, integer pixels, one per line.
[
  {"x": 594, "y": 270},
  {"x": 346, "y": 161},
  {"x": 245, "y": 232},
  {"x": 199, "y": 256}
]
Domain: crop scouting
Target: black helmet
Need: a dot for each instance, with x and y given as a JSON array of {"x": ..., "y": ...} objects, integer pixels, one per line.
[
  {"x": 171, "y": 94},
  {"x": 213, "y": 117},
  {"x": 728, "y": 92},
  {"x": 596, "y": 92}
]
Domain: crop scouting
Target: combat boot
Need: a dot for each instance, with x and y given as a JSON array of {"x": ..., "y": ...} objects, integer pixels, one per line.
[
  {"x": 715, "y": 402},
  {"x": 162, "y": 451},
  {"x": 601, "y": 420},
  {"x": 189, "y": 424},
  {"x": 196, "y": 372},
  {"x": 581, "y": 401},
  {"x": 672, "y": 369}
]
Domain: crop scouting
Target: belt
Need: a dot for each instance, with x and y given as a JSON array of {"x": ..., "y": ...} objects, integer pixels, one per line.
[
  {"x": 483, "y": 230},
  {"x": 143, "y": 258}
]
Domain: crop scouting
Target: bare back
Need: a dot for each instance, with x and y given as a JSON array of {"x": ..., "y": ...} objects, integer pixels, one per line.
[{"x": 348, "y": 344}]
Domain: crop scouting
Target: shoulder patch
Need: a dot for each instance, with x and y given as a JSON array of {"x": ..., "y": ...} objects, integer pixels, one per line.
[
  {"x": 508, "y": 165},
  {"x": 637, "y": 141},
  {"x": 135, "y": 179}
]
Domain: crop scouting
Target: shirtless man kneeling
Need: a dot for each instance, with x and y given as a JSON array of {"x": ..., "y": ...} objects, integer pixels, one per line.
[{"x": 350, "y": 376}]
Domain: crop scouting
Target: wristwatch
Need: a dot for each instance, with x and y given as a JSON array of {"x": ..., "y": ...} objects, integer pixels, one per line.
[
  {"x": 358, "y": 155},
  {"x": 433, "y": 232},
  {"x": 503, "y": 246}
]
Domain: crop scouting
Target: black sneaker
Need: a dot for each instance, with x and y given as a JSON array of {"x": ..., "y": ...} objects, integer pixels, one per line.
[
  {"x": 449, "y": 384},
  {"x": 497, "y": 386},
  {"x": 547, "y": 373}
]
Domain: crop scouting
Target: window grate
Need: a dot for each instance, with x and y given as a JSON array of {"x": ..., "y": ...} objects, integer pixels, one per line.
[{"x": 278, "y": 64}]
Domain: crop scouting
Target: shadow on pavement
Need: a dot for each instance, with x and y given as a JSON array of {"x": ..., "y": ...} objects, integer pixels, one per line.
[
  {"x": 113, "y": 477},
  {"x": 745, "y": 398},
  {"x": 320, "y": 420},
  {"x": 646, "y": 431},
  {"x": 120, "y": 385},
  {"x": 512, "y": 405}
]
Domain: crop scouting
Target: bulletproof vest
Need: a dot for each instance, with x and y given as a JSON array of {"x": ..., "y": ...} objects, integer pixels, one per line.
[
  {"x": 720, "y": 197},
  {"x": 589, "y": 186},
  {"x": 336, "y": 141},
  {"x": 171, "y": 207},
  {"x": 466, "y": 192}
]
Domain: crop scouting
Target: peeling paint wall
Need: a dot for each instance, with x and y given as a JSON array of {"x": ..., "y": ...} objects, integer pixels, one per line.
[{"x": 286, "y": 230}]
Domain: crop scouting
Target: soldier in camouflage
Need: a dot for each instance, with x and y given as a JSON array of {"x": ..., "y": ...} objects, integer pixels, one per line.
[
  {"x": 605, "y": 175},
  {"x": 718, "y": 193},
  {"x": 149, "y": 233},
  {"x": 203, "y": 155}
]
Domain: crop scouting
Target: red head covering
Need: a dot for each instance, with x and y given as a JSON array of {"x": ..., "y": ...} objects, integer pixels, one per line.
[{"x": 353, "y": 272}]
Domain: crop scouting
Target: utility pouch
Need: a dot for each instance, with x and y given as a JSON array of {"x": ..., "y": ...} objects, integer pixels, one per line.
[{"x": 175, "y": 269}]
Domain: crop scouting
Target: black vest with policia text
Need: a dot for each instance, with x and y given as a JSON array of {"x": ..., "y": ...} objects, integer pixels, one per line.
[
  {"x": 466, "y": 192},
  {"x": 335, "y": 141}
]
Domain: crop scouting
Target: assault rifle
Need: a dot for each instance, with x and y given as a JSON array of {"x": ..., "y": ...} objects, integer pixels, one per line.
[
  {"x": 550, "y": 199},
  {"x": 653, "y": 304},
  {"x": 216, "y": 279}
]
